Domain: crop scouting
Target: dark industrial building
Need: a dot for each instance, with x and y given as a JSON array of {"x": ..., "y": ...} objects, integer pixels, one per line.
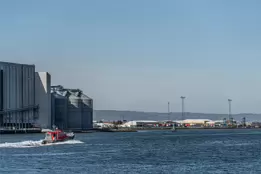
[
  {"x": 27, "y": 100},
  {"x": 71, "y": 109},
  {"x": 18, "y": 108}
]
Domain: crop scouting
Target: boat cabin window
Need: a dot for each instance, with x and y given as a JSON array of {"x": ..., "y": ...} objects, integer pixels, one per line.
[{"x": 48, "y": 136}]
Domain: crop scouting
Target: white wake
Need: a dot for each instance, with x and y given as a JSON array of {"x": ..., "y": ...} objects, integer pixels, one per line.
[{"x": 30, "y": 143}]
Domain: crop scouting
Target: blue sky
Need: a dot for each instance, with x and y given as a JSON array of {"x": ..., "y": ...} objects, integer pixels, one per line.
[{"x": 140, "y": 54}]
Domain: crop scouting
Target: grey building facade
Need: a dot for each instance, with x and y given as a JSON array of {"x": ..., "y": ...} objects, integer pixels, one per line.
[
  {"x": 43, "y": 98},
  {"x": 17, "y": 95}
]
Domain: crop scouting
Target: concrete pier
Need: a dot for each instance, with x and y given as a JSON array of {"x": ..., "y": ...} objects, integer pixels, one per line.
[{"x": 20, "y": 131}]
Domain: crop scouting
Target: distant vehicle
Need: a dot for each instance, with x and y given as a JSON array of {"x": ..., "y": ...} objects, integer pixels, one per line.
[{"x": 57, "y": 136}]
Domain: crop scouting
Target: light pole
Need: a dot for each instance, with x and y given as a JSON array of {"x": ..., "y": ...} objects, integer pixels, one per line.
[
  {"x": 168, "y": 112},
  {"x": 182, "y": 109},
  {"x": 229, "y": 111}
]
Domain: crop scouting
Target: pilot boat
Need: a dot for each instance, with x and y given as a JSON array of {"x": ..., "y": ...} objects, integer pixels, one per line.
[{"x": 57, "y": 136}]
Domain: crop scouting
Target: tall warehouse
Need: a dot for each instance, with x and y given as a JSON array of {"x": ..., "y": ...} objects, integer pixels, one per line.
[
  {"x": 17, "y": 95},
  {"x": 71, "y": 109},
  {"x": 43, "y": 98}
]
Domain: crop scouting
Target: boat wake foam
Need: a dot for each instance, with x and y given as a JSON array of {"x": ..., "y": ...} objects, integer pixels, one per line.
[{"x": 27, "y": 144}]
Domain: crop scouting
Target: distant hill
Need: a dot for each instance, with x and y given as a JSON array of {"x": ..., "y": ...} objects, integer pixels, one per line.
[{"x": 134, "y": 115}]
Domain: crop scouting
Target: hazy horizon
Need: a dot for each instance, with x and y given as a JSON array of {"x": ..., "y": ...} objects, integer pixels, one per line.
[
  {"x": 176, "y": 112},
  {"x": 136, "y": 115},
  {"x": 139, "y": 55}
]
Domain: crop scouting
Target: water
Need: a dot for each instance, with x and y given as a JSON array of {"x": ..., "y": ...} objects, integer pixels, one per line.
[{"x": 186, "y": 151}]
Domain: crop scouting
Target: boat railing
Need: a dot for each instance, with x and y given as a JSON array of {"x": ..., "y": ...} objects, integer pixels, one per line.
[{"x": 70, "y": 134}]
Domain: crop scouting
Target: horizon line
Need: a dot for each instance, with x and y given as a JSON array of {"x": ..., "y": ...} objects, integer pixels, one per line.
[{"x": 172, "y": 112}]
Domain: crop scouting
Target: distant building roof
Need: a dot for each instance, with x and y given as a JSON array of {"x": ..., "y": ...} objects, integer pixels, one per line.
[
  {"x": 145, "y": 121},
  {"x": 196, "y": 121},
  {"x": 71, "y": 93},
  {"x": 134, "y": 122}
]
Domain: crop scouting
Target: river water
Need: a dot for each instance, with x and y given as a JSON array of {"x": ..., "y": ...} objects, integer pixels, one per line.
[{"x": 185, "y": 151}]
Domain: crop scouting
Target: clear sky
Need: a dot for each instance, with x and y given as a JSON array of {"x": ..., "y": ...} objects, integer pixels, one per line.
[{"x": 140, "y": 54}]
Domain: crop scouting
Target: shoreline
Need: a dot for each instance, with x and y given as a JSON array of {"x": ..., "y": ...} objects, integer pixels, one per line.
[{"x": 96, "y": 130}]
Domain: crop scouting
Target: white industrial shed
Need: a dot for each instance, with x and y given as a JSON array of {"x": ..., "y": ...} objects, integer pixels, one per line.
[
  {"x": 135, "y": 123},
  {"x": 196, "y": 121}
]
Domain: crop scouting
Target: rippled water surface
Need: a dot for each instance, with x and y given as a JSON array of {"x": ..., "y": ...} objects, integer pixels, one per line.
[{"x": 186, "y": 151}]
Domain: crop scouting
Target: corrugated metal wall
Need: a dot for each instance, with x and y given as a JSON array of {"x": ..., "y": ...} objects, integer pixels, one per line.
[
  {"x": 87, "y": 112},
  {"x": 74, "y": 112},
  {"x": 59, "y": 111},
  {"x": 78, "y": 108},
  {"x": 18, "y": 93}
]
